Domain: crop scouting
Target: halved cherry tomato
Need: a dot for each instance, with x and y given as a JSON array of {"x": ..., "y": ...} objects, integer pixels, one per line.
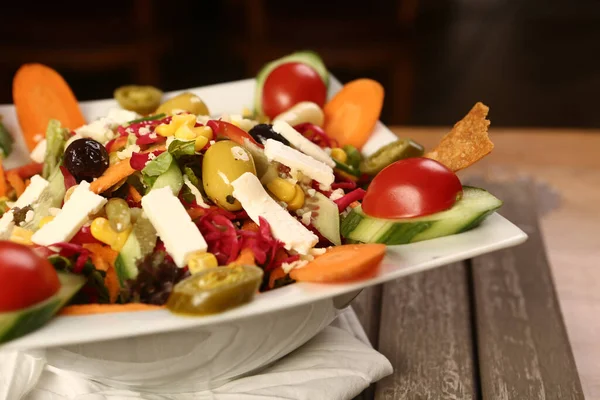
[
  {"x": 25, "y": 277},
  {"x": 412, "y": 187},
  {"x": 229, "y": 131},
  {"x": 289, "y": 84}
]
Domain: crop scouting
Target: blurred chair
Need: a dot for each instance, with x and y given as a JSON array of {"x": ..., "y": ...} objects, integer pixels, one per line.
[{"x": 351, "y": 36}]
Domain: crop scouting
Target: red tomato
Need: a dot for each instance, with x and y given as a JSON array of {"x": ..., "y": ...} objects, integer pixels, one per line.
[
  {"x": 25, "y": 277},
  {"x": 289, "y": 84},
  {"x": 412, "y": 187}
]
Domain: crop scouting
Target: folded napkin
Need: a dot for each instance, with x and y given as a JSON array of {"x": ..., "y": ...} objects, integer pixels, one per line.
[{"x": 338, "y": 363}]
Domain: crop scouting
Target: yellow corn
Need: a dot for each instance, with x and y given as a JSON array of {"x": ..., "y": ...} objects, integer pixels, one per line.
[
  {"x": 298, "y": 200},
  {"x": 183, "y": 119},
  {"x": 185, "y": 132},
  {"x": 102, "y": 231},
  {"x": 246, "y": 112},
  {"x": 45, "y": 220},
  {"x": 200, "y": 142},
  {"x": 21, "y": 236},
  {"x": 282, "y": 189},
  {"x": 339, "y": 155},
  {"x": 165, "y": 130},
  {"x": 199, "y": 261},
  {"x": 204, "y": 131}
]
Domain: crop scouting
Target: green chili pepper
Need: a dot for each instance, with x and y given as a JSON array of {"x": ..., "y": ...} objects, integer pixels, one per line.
[
  {"x": 353, "y": 154},
  {"x": 390, "y": 153}
]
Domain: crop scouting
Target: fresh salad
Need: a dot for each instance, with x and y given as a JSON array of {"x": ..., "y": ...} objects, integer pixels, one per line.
[{"x": 161, "y": 204}]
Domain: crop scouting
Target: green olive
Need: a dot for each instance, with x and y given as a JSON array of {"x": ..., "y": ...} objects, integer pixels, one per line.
[
  {"x": 215, "y": 290},
  {"x": 223, "y": 163},
  {"x": 185, "y": 102},
  {"x": 141, "y": 99}
]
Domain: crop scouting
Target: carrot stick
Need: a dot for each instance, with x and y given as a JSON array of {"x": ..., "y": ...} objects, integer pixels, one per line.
[
  {"x": 135, "y": 195},
  {"x": 277, "y": 273},
  {"x": 16, "y": 182},
  {"x": 352, "y": 113},
  {"x": 40, "y": 94},
  {"x": 103, "y": 258},
  {"x": 90, "y": 309},
  {"x": 250, "y": 225},
  {"x": 246, "y": 257},
  {"x": 112, "y": 176},
  {"x": 342, "y": 263},
  {"x": 28, "y": 170},
  {"x": 196, "y": 212},
  {"x": 3, "y": 185}
]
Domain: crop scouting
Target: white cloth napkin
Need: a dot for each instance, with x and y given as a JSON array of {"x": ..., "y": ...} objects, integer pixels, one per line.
[{"x": 338, "y": 363}]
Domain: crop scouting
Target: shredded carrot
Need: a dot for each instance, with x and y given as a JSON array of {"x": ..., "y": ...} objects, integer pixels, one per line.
[
  {"x": 40, "y": 94},
  {"x": 28, "y": 170},
  {"x": 135, "y": 195},
  {"x": 3, "y": 185},
  {"x": 246, "y": 257},
  {"x": 104, "y": 258},
  {"x": 90, "y": 309},
  {"x": 16, "y": 182},
  {"x": 250, "y": 225},
  {"x": 354, "y": 204},
  {"x": 277, "y": 273},
  {"x": 196, "y": 212}
]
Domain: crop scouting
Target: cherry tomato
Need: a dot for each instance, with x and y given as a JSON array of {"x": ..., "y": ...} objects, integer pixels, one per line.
[
  {"x": 25, "y": 277},
  {"x": 412, "y": 187},
  {"x": 289, "y": 84}
]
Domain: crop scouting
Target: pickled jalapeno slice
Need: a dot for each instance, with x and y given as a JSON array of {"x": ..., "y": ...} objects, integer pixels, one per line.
[
  {"x": 215, "y": 290},
  {"x": 390, "y": 153},
  {"x": 141, "y": 99}
]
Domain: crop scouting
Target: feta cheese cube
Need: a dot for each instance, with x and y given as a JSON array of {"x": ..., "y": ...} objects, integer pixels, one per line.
[
  {"x": 74, "y": 214},
  {"x": 36, "y": 186},
  {"x": 295, "y": 160},
  {"x": 39, "y": 151},
  {"x": 173, "y": 225},
  {"x": 248, "y": 190},
  {"x": 301, "y": 143},
  {"x": 337, "y": 194}
]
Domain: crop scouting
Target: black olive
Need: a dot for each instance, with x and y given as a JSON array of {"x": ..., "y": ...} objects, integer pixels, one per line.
[
  {"x": 262, "y": 132},
  {"x": 86, "y": 159}
]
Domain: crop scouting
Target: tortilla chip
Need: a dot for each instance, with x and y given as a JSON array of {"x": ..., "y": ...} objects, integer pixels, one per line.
[{"x": 467, "y": 142}]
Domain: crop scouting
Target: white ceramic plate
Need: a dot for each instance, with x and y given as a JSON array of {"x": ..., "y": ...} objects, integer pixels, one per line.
[{"x": 494, "y": 234}]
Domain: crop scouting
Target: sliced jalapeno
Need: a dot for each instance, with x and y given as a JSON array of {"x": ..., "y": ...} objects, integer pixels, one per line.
[
  {"x": 392, "y": 152},
  {"x": 215, "y": 290},
  {"x": 353, "y": 154},
  {"x": 141, "y": 99}
]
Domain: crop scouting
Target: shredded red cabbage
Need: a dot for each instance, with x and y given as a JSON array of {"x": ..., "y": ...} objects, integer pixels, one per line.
[
  {"x": 355, "y": 195},
  {"x": 316, "y": 134},
  {"x": 150, "y": 138},
  {"x": 68, "y": 177},
  {"x": 344, "y": 185},
  {"x": 84, "y": 235},
  {"x": 71, "y": 249},
  {"x": 135, "y": 128},
  {"x": 138, "y": 160}
]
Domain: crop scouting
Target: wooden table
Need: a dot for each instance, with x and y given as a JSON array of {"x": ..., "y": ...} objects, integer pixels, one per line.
[{"x": 492, "y": 327}]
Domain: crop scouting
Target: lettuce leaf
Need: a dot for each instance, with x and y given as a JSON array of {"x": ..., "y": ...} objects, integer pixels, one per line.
[
  {"x": 179, "y": 148},
  {"x": 56, "y": 137}
]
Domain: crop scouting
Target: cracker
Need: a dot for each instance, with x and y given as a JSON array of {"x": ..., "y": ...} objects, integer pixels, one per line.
[{"x": 467, "y": 143}]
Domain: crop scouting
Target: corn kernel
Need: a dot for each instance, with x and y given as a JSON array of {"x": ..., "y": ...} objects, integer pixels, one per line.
[
  {"x": 200, "y": 143},
  {"x": 183, "y": 119},
  {"x": 282, "y": 189},
  {"x": 205, "y": 131},
  {"x": 21, "y": 236},
  {"x": 339, "y": 155},
  {"x": 165, "y": 130},
  {"x": 298, "y": 200},
  {"x": 102, "y": 231},
  {"x": 185, "y": 132},
  {"x": 199, "y": 261},
  {"x": 45, "y": 220},
  {"x": 247, "y": 113}
]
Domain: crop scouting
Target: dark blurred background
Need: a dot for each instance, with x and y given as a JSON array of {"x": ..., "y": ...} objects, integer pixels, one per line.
[{"x": 534, "y": 62}]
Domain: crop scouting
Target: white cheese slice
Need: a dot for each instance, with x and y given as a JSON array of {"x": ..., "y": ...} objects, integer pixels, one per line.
[
  {"x": 312, "y": 168},
  {"x": 298, "y": 140},
  {"x": 248, "y": 190},
  {"x": 74, "y": 214},
  {"x": 39, "y": 151},
  {"x": 29, "y": 196},
  {"x": 6, "y": 225},
  {"x": 173, "y": 224}
]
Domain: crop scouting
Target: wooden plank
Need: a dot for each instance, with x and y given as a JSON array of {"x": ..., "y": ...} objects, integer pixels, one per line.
[
  {"x": 367, "y": 306},
  {"x": 426, "y": 334},
  {"x": 524, "y": 350}
]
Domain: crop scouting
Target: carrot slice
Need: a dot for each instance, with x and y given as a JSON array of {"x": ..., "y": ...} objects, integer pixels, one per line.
[
  {"x": 90, "y": 309},
  {"x": 352, "y": 113},
  {"x": 246, "y": 257},
  {"x": 104, "y": 258},
  {"x": 16, "y": 182},
  {"x": 277, "y": 273},
  {"x": 250, "y": 225},
  {"x": 342, "y": 263},
  {"x": 3, "y": 185},
  {"x": 40, "y": 94},
  {"x": 28, "y": 170},
  {"x": 135, "y": 195},
  {"x": 113, "y": 174}
]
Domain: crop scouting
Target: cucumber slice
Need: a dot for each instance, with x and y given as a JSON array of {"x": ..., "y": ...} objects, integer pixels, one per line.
[
  {"x": 21, "y": 322},
  {"x": 141, "y": 242},
  {"x": 326, "y": 218},
  {"x": 475, "y": 205}
]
